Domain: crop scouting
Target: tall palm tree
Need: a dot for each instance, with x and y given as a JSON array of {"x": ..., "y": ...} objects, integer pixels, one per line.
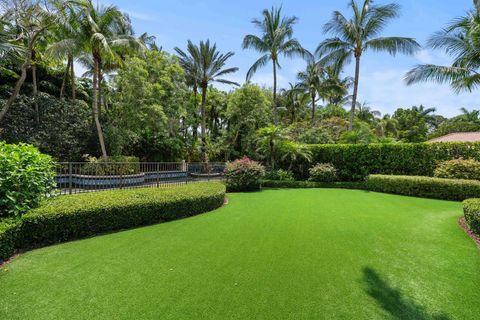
[
  {"x": 276, "y": 39},
  {"x": 360, "y": 33},
  {"x": 296, "y": 101},
  {"x": 460, "y": 40},
  {"x": 103, "y": 30},
  {"x": 208, "y": 64}
]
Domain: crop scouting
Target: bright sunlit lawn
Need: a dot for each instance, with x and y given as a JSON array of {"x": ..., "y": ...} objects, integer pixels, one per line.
[{"x": 275, "y": 254}]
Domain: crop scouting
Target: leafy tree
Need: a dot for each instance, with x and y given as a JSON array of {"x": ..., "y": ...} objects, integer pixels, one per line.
[
  {"x": 248, "y": 110},
  {"x": 412, "y": 126},
  {"x": 360, "y": 33},
  {"x": 292, "y": 151},
  {"x": 361, "y": 134},
  {"x": 276, "y": 39}
]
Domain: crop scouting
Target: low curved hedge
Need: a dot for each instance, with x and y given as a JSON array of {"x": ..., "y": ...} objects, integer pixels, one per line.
[
  {"x": 77, "y": 216},
  {"x": 426, "y": 187},
  {"x": 312, "y": 184},
  {"x": 471, "y": 209}
]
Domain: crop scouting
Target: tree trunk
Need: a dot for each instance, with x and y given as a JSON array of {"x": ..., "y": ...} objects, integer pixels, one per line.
[
  {"x": 203, "y": 150},
  {"x": 272, "y": 154},
  {"x": 312, "y": 121},
  {"x": 17, "y": 87},
  {"x": 275, "y": 115},
  {"x": 195, "y": 126},
  {"x": 355, "y": 92},
  {"x": 96, "y": 73},
  {"x": 72, "y": 79},
  {"x": 65, "y": 78},
  {"x": 35, "y": 87}
]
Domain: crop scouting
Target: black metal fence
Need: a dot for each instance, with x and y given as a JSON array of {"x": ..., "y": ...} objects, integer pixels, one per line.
[{"x": 80, "y": 177}]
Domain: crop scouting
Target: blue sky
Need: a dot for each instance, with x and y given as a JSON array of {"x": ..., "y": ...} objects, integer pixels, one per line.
[{"x": 381, "y": 83}]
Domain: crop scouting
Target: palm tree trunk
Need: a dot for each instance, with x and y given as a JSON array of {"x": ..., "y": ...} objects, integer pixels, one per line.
[
  {"x": 272, "y": 154},
  {"x": 96, "y": 73},
  {"x": 355, "y": 91},
  {"x": 65, "y": 78},
  {"x": 72, "y": 79},
  {"x": 275, "y": 115},
  {"x": 203, "y": 148},
  {"x": 17, "y": 88},
  {"x": 312, "y": 121},
  {"x": 35, "y": 87}
]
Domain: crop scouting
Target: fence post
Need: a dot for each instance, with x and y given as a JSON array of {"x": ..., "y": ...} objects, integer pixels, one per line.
[
  {"x": 185, "y": 169},
  {"x": 158, "y": 174},
  {"x": 121, "y": 178},
  {"x": 70, "y": 178}
]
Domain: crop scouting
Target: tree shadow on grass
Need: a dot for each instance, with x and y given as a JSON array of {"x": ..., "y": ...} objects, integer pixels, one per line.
[{"x": 393, "y": 301}]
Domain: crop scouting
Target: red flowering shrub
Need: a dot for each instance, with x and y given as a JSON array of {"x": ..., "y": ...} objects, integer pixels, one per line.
[{"x": 244, "y": 175}]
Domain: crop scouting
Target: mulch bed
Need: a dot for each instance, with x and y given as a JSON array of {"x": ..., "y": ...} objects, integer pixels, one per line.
[{"x": 472, "y": 235}]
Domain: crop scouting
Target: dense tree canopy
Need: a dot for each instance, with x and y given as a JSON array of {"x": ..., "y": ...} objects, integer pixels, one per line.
[{"x": 136, "y": 99}]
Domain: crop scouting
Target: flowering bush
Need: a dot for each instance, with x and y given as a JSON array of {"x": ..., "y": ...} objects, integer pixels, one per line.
[
  {"x": 244, "y": 175},
  {"x": 458, "y": 169},
  {"x": 323, "y": 172}
]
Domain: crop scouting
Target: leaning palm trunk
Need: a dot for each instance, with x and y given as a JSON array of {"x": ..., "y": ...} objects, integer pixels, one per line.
[
  {"x": 355, "y": 92},
  {"x": 96, "y": 72}
]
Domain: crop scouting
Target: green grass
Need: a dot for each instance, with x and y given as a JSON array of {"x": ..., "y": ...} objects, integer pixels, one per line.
[{"x": 275, "y": 254}]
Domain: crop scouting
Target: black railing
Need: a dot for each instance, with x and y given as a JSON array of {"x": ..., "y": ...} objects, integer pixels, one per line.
[{"x": 80, "y": 177}]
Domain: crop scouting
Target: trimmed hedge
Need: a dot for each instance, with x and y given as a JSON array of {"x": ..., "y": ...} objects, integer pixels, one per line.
[
  {"x": 312, "y": 184},
  {"x": 356, "y": 162},
  {"x": 471, "y": 209},
  {"x": 426, "y": 187},
  {"x": 77, "y": 216}
]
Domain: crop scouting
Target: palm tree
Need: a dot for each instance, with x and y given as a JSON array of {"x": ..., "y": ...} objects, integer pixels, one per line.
[
  {"x": 294, "y": 151},
  {"x": 269, "y": 140},
  {"x": 103, "y": 30},
  {"x": 470, "y": 116},
  {"x": 387, "y": 127},
  {"x": 459, "y": 40},
  {"x": 275, "y": 40},
  {"x": 365, "y": 113},
  {"x": 295, "y": 100},
  {"x": 316, "y": 80},
  {"x": 352, "y": 37},
  {"x": 32, "y": 21},
  {"x": 66, "y": 45},
  {"x": 208, "y": 64}
]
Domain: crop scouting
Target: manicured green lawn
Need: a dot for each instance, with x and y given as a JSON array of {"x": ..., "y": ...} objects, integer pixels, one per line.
[{"x": 275, "y": 254}]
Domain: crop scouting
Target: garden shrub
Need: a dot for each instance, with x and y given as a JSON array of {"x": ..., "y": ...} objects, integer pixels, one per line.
[
  {"x": 312, "y": 184},
  {"x": 244, "y": 175},
  {"x": 458, "y": 169},
  {"x": 356, "y": 162},
  {"x": 26, "y": 177},
  {"x": 471, "y": 209},
  {"x": 279, "y": 175},
  {"x": 71, "y": 217},
  {"x": 427, "y": 187},
  {"x": 323, "y": 172},
  {"x": 116, "y": 165}
]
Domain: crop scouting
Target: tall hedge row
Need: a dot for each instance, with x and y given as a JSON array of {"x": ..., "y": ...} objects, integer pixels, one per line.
[
  {"x": 71, "y": 217},
  {"x": 355, "y": 162}
]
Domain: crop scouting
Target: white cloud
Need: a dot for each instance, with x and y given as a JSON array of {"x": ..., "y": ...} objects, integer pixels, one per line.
[{"x": 139, "y": 15}]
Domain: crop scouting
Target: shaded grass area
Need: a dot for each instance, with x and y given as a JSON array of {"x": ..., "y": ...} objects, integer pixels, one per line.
[{"x": 275, "y": 254}]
